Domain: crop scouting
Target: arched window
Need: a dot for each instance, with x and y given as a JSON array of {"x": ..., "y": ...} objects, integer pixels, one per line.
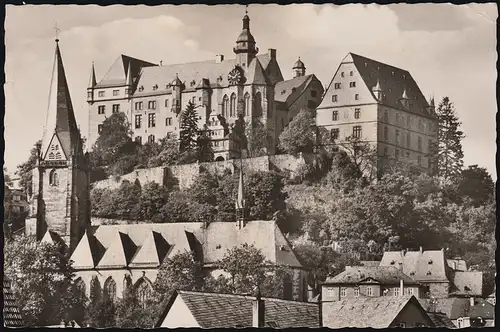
[
  {"x": 246, "y": 105},
  {"x": 225, "y": 106},
  {"x": 232, "y": 111},
  {"x": 257, "y": 105},
  {"x": 144, "y": 290},
  {"x": 127, "y": 283},
  {"x": 53, "y": 178},
  {"x": 95, "y": 290},
  {"x": 80, "y": 288},
  {"x": 110, "y": 289}
]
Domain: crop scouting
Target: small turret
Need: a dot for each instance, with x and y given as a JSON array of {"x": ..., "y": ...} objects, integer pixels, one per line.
[
  {"x": 129, "y": 81},
  {"x": 377, "y": 91},
  {"x": 405, "y": 101},
  {"x": 299, "y": 69},
  {"x": 92, "y": 84},
  {"x": 177, "y": 88},
  {"x": 432, "y": 108}
]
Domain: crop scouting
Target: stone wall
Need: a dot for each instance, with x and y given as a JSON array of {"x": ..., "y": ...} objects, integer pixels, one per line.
[{"x": 183, "y": 176}]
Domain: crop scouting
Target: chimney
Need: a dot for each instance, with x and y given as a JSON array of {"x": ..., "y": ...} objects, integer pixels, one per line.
[
  {"x": 258, "y": 311},
  {"x": 219, "y": 58},
  {"x": 401, "y": 287},
  {"x": 272, "y": 53},
  {"x": 471, "y": 301}
]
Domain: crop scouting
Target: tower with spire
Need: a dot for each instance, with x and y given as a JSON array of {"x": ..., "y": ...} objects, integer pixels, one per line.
[
  {"x": 60, "y": 202},
  {"x": 299, "y": 69},
  {"x": 245, "y": 48}
]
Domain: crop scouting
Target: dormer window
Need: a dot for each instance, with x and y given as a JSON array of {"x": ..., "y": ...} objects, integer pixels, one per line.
[
  {"x": 141, "y": 88},
  {"x": 393, "y": 262},
  {"x": 429, "y": 273},
  {"x": 218, "y": 246},
  {"x": 392, "y": 73},
  {"x": 193, "y": 83},
  {"x": 155, "y": 87},
  {"x": 283, "y": 92},
  {"x": 430, "y": 260}
]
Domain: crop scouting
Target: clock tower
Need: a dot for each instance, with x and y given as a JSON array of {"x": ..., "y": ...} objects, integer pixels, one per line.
[{"x": 245, "y": 48}]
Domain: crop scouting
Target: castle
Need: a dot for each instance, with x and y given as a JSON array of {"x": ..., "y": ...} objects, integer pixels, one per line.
[{"x": 252, "y": 85}]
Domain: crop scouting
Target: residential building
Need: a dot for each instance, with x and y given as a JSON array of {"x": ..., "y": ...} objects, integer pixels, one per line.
[
  {"x": 375, "y": 312},
  {"x": 19, "y": 202},
  {"x": 432, "y": 270},
  {"x": 11, "y": 313},
  {"x": 153, "y": 96},
  {"x": 114, "y": 257},
  {"x": 382, "y": 105},
  {"x": 212, "y": 310},
  {"x": 358, "y": 281}
]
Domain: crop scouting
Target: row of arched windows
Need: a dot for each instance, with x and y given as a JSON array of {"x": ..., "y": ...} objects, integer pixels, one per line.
[
  {"x": 143, "y": 288},
  {"x": 229, "y": 105}
]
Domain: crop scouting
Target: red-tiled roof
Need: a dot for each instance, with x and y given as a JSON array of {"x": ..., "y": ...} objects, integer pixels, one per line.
[{"x": 213, "y": 310}]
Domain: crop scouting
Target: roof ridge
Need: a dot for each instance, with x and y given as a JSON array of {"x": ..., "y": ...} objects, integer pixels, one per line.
[
  {"x": 250, "y": 297},
  {"x": 379, "y": 62},
  {"x": 133, "y": 58}
]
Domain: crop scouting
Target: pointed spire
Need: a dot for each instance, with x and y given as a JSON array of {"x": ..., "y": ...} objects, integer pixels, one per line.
[
  {"x": 129, "y": 74},
  {"x": 240, "y": 199},
  {"x": 432, "y": 102},
  {"x": 92, "y": 80},
  {"x": 377, "y": 87},
  {"x": 60, "y": 115},
  {"x": 405, "y": 95}
]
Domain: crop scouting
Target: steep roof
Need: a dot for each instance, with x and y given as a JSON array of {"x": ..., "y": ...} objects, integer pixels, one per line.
[
  {"x": 365, "y": 312},
  {"x": 147, "y": 244},
  {"x": 213, "y": 310},
  {"x": 429, "y": 265},
  {"x": 117, "y": 74},
  {"x": 60, "y": 128},
  {"x": 384, "y": 275},
  {"x": 11, "y": 313},
  {"x": 483, "y": 309},
  {"x": 289, "y": 90},
  {"x": 452, "y": 307},
  {"x": 88, "y": 252},
  {"x": 457, "y": 264},
  {"x": 441, "y": 320},
  {"x": 468, "y": 283}
]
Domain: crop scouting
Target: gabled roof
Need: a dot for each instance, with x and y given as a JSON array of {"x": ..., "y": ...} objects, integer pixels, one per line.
[
  {"x": 152, "y": 252},
  {"x": 52, "y": 238},
  {"x": 119, "y": 253},
  {"x": 468, "y": 283},
  {"x": 213, "y": 310},
  {"x": 483, "y": 309},
  {"x": 452, "y": 307},
  {"x": 61, "y": 121},
  {"x": 11, "y": 313},
  {"x": 358, "y": 274},
  {"x": 117, "y": 74},
  {"x": 429, "y": 265},
  {"x": 365, "y": 312},
  {"x": 87, "y": 253},
  {"x": 441, "y": 320},
  {"x": 289, "y": 90},
  {"x": 256, "y": 74}
]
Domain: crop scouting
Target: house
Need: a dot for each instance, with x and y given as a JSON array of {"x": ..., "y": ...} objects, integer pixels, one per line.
[
  {"x": 11, "y": 313},
  {"x": 375, "y": 312},
  {"x": 362, "y": 281},
  {"x": 214, "y": 310},
  {"x": 481, "y": 314},
  {"x": 433, "y": 271}
]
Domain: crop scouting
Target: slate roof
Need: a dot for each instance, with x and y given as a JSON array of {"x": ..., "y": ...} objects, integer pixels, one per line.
[
  {"x": 370, "y": 263},
  {"x": 117, "y": 74},
  {"x": 287, "y": 92},
  {"x": 426, "y": 266},
  {"x": 452, "y": 307},
  {"x": 365, "y": 312},
  {"x": 468, "y": 283},
  {"x": 11, "y": 313},
  {"x": 483, "y": 309},
  {"x": 147, "y": 244},
  {"x": 213, "y": 310},
  {"x": 358, "y": 274},
  {"x": 441, "y": 320}
]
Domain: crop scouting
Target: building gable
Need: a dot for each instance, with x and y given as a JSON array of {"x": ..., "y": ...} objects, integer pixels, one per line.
[
  {"x": 87, "y": 252},
  {"x": 152, "y": 252},
  {"x": 177, "y": 314},
  {"x": 119, "y": 253},
  {"x": 55, "y": 150}
]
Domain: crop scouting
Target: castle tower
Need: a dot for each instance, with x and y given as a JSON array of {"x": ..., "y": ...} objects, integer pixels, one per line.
[
  {"x": 60, "y": 201},
  {"x": 299, "y": 69},
  {"x": 245, "y": 49}
]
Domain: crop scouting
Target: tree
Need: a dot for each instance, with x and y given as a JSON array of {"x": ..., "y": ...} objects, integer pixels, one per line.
[
  {"x": 256, "y": 137},
  {"x": 265, "y": 195},
  {"x": 168, "y": 154},
  {"x": 449, "y": 149},
  {"x": 24, "y": 171},
  {"x": 204, "y": 146},
  {"x": 362, "y": 155},
  {"x": 204, "y": 189},
  {"x": 188, "y": 129},
  {"x": 476, "y": 183},
  {"x": 153, "y": 198},
  {"x": 299, "y": 135},
  {"x": 125, "y": 201},
  {"x": 41, "y": 276},
  {"x": 131, "y": 313}
]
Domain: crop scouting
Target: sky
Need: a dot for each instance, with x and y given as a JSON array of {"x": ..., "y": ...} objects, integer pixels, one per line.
[{"x": 450, "y": 50}]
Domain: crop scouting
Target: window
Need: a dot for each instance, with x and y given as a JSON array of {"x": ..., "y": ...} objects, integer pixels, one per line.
[
  {"x": 356, "y": 96},
  {"x": 225, "y": 106},
  {"x": 144, "y": 291},
  {"x": 17, "y": 198},
  {"x": 99, "y": 128},
  {"x": 138, "y": 121},
  {"x": 116, "y": 92},
  {"x": 408, "y": 140},
  {"x": 101, "y": 94},
  {"x": 246, "y": 104},
  {"x": 232, "y": 111},
  {"x": 369, "y": 291},
  {"x": 419, "y": 143},
  {"x": 116, "y": 108},
  {"x": 314, "y": 93},
  {"x": 138, "y": 105},
  {"x": 419, "y": 160},
  {"x": 337, "y": 85},
  {"x": 53, "y": 178},
  {"x": 151, "y": 120},
  {"x": 409, "y": 291},
  {"x": 343, "y": 292},
  {"x": 282, "y": 123},
  {"x": 330, "y": 292},
  {"x": 386, "y": 133},
  {"x": 151, "y": 139},
  {"x": 460, "y": 322},
  {"x": 386, "y": 116},
  {"x": 101, "y": 109},
  {"x": 334, "y": 98},
  {"x": 166, "y": 103},
  {"x": 352, "y": 84},
  {"x": 216, "y": 143},
  {"x": 335, "y": 115},
  {"x": 396, "y": 291},
  {"x": 356, "y": 131},
  {"x": 351, "y": 73},
  {"x": 152, "y": 104},
  {"x": 138, "y": 139},
  {"x": 168, "y": 121},
  {"x": 334, "y": 133},
  {"x": 356, "y": 292},
  {"x": 402, "y": 324},
  {"x": 342, "y": 74},
  {"x": 127, "y": 283},
  {"x": 89, "y": 94},
  {"x": 420, "y": 124},
  {"x": 408, "y": 121},
  {"x": 357, "y": 113},
  {"x": 397, "y": 137},
  {"x": 110, "y": 289}
]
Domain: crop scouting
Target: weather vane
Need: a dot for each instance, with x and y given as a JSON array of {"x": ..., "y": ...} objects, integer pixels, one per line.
[
  {"x": 57, "y": 31},
  {"x": 246, "y": 9}
]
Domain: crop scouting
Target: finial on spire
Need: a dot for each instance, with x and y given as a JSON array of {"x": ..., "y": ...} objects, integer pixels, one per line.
[
  {"x": 57, "y": 31},
  {"x": 246, "y": 9}
]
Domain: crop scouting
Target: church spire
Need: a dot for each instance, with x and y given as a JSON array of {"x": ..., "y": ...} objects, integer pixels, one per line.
[
  {"x": 245, "y": 49},
  {"x": 240, "y": 201},
  {"x": 61, "y": 132},
  {"x": 92, "y": 80}
]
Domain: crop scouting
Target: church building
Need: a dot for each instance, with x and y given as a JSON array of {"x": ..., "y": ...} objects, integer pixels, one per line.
[
  {"x": 112, "y": 258},
  {"x": 153, "y": 96}
]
